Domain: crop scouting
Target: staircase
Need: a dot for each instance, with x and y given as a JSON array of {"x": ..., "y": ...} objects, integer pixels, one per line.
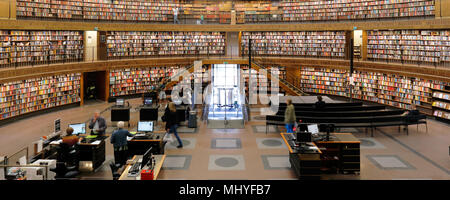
[{"x": 285, "y": 85}]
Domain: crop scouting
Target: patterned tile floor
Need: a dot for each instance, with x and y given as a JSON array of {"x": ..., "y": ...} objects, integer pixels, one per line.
[{"x": 250, "y": 153}]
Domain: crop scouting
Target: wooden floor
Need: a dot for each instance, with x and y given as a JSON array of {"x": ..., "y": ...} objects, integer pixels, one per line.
[{"x": 388, "y": 155}]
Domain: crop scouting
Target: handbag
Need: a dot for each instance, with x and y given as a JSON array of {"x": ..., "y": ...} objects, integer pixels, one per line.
[{"x": 168, "y": 138}]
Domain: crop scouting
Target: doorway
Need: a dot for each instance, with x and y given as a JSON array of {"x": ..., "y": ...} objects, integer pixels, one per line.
[{"x": 94, "y": 86}]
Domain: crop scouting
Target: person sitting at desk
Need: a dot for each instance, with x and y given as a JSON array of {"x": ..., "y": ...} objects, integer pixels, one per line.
[
  {"x": 70, "y": 139},
  {"x": 320, "y": 104},
  {"x": 98, "y": 124},
  {"x": 119, "y": 141},
  {"x": 411, "y": 115}
]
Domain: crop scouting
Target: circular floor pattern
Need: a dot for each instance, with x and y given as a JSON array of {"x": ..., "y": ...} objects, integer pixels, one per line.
[
  {"x": 226, "y": 162},
  {"x": 367, "y": 143},
  {"x": 272, "y": 143}
]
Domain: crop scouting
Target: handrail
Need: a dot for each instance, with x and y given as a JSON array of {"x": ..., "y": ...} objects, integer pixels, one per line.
[{"x": 293, "y": 87}]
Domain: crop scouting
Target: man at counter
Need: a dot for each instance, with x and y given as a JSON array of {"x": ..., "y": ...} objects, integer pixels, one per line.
[
  {"x": 119, "y": 141},
  {"x": 98, "y": 124}
]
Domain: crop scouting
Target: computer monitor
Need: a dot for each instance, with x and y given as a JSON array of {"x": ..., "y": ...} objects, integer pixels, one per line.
[
  {"x": 148, "y": 101},
  {"x": 302, "y": 127},
  {"x": 313, "y": 129},
  {"x": 145, "y": 126},
  {"x": 146, "y": 157},
  {"x": 304, "y": 137},
  {"x": 120, "y": 102},
  {"x": 79, "y": 128}
]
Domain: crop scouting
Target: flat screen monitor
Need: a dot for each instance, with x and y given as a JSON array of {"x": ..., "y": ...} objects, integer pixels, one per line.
[
  {"x": 303, "y": 127},
  {"x": 313, "y": 129},
  {"x": 120, "y": 102},
  {"x": 78, "y": 128},
  {"x": 148, "y": 101},
  {"x": 120, "y": 114},
  {"x": 148, "y": 114},
  {"x": 145, "y": 126},
  {"x": 146, "y": 157},
  {"x": 304, "y": 137}
]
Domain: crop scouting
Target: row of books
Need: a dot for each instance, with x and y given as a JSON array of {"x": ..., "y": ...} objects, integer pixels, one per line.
[
  {"x": 165, "y": 43},
  {"x": 139, "y": 80},
  {"x": 305, "y": 43},
  {"x": 389, "y": 89},
  {"x": 409, "y": 45},
  {"x": 354, "y": 9},
  {"x": 20, "y": 97},
  {"x": 40, "y": 46},
  {"x": 246, "y": 11}
]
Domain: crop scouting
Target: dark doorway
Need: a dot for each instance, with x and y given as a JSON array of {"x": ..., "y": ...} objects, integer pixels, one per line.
[{"x": 95, "y": 85}]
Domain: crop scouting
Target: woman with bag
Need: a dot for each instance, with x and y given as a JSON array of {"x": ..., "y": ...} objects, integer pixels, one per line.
[
  {"x": 289, "y": 116},
  {"x": 170, "y": 117}
]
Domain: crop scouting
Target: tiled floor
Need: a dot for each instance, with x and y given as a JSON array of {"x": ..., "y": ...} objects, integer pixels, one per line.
[{"x": 251, "y": 153}]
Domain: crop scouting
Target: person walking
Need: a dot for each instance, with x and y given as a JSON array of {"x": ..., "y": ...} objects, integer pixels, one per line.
[
  {"x": 171, "y": 119},
  {"x": 175, "y": 15}
]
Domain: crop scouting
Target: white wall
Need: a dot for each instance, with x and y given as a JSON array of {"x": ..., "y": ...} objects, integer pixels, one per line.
[
  {"x": 357, "y": 38},
  {"x": 90, "y": 40}
]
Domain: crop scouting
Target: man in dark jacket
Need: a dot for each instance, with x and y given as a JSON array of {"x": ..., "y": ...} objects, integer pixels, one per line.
[
  {"x": 320, "y": 104},
  {"x": 171, "y": 119},
  {"x": 98, "y": 124},
  {"x": 119, "y": 141}
]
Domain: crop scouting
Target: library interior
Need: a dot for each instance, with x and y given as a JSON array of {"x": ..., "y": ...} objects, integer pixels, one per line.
[{"x": 224, "y": 90}]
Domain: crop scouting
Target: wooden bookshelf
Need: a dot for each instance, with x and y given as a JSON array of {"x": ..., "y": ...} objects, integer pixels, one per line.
[
  {"x": 389, "y": 89},
  {"x": 21, "y": 97},
  {"x": 19, "y": 48},
  {"x": 416, "y": 46},
  {"x": 261, "y": 81},
  {"x": 132, "y": 81},
  {"x": 441, "y": 102},
  {"x": 144, "y": 44},
  {"x": 322, "y": 10},
  {"x": 330, "y": 44}
]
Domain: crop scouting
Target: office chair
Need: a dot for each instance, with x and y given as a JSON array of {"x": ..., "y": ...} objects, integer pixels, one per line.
[
  {"x": 63, "y": 172},
  {"x": 68, "y": 154},
  {"x": 114, "y": 167}
]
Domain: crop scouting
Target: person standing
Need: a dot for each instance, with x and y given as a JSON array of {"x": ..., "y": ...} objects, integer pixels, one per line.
[
  {"x": 175, "y": 15},
  {"x": 119, "y": 141},
  {"x": 98, "y": 124},
  {"x": 289, "y": 116},
  {"x": 171, "y": 119}
]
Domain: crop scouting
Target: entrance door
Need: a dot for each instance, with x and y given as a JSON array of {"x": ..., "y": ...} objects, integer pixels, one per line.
[{"x": 95, "y": 85}]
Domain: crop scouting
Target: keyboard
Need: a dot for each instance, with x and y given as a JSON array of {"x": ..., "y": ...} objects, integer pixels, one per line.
[{"x": 134, "y": 170}]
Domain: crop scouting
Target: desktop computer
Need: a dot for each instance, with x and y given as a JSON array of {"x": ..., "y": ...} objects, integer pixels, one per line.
[
  {"x": 313, "y": 129},
  {"x": 120, "y": 102},
  {"x": 146, "y": 127},
  {"x": 79, "y": 128},
  {"x": 148, "y": 101}
]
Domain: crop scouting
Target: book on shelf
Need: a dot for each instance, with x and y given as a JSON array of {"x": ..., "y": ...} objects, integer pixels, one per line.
[
  {"x": 139, "y": 80},
  {"x": 305, "y": 43},
  {"x": 21, "y": 97},
  {"x": 120, "y": 44},
  {"x": 389, "y": 89}
]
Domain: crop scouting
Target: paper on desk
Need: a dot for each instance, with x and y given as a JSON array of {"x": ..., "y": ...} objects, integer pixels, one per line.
[
  {"x": 129, "y": 138},
  {"x": 56, "y": 142},
  {"x": 314, "y": 148},
  {"x": 96, "y": 142},
  {"x": 39, "y": 145}
]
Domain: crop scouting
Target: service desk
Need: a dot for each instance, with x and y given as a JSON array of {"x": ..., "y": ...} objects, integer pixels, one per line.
[
  {"x": 159, "y": 160},
  {"x": 341, "y": 154},
  {"x": 92, "y": 151},
  {"x": 140, "y": 146},
  {"x": 306, "y": 163}
]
